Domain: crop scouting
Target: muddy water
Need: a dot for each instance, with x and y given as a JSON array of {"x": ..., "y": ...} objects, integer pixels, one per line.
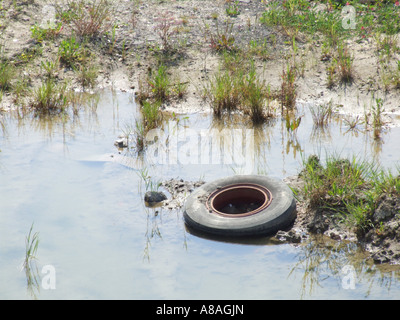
[{"x": 99, "y": 240}]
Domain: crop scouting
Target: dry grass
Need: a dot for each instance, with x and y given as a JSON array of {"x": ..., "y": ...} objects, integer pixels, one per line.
[
  {"x": 88, "y": 18},
  {"x": 288, "y": 87}
]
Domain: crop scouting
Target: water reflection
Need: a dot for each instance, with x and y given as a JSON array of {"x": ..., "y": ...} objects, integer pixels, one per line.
[
  {"x": 377, "y": 146},
  {"x": 151, "y": 237},
  {"x": 382, "y": 276},
  {"x": 155, "y": 217},
  {"x": 320, "y": 135},
  {"x": 317, "y": 260},
  {"x": 32, "y": 279},
  {"x": 29, "y": 264},
  {"x": 258, "y": 241},
  {"x": 152, "y": 229},
  {"x": 84, "y": 104},
  {"x": 322, "y": 259},
  {"x": 3, "y": 127}
]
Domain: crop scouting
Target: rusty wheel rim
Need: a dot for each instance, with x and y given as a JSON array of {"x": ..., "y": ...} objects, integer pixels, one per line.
[{"x": 247, "y": 197}]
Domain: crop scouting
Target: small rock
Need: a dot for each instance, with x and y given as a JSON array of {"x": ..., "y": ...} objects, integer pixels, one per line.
[
  {"x": 384, "y": 212},
  {"x": 289, "y": 236},
  {"x": 380, "y": 257},
  {"x": 121, "y": 143},
  {"x": 152, "y": 197},
  {"x": 334, "y": 236}
]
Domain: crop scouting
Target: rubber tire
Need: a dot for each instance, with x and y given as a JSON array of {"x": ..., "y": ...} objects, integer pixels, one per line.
[{"x": 277, "y": 216}]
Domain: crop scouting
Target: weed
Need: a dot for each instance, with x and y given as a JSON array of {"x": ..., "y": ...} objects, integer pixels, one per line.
[
  {"x": 224, "y": 92},
  {"x": 386, "y": 183},
  {"x": 254, "y": 97},
  {"x": 358, "y": 213},
  {"x": 31, "y": 246},
  {"x": 345, "y": 64},
  {"x": 259, "y": 49},
  {"x": 222, "y": 40},
  {"x": 381, "y": 17},
  {"x": 160, "y": 83},
  {"x": 288, "y": 88},
  {"x": 113, "y": 39},
  {"x": 327, "y": 187},
  {"x": 341, "y": 65},
  {"x": 387, "y": 45},
  {"x": 388, "y": 20},
  {"x": 144, "y": 92},
  {"x": 353, "y": 122},
  {"x": 87, "y": 74},
  {"x": 233, "y": 10},
  {"x": 71, "y": 52},
  {"x": 50, "y": 98},
  {"x": 180, "y": 89},
  {"x": 21, "y": 88},
  {"x": 29, "y": 54},
  {"x": 40, "y": 34},
  {"x": 235, "y": 62},
  {"x": 140, "y": 134},
  {"x": 331, "y": 70},
  {"x": 239, "y": 88},
  {"x": 50, "y": 67},
  {"x": 321, "y": 114},
  {"x": 31, "y": 272},
  {"x": 151, "y": 119},
  {"x": 7, "y": 72},
  {"x": 88, "y": 18},
  {"x": 396, "y": 79},
  {"x": 151, "y": 115},
  {"x": 157, "y": 85},
  {"x": 377, "y": 122},
  {"x": 297, "y": 15},
  {"x": 150, "y": 184},
  {"x": 166, "y": 26},
  {"x": 292, "y": 122}
]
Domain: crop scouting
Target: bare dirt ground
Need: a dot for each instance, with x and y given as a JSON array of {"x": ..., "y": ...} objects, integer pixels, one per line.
[{"x": 136, "y": 41}]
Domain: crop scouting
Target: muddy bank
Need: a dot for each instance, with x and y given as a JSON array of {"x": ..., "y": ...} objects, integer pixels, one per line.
[
  {"x": 382, "y": 243},
  {"x": 382, "y": 240}
]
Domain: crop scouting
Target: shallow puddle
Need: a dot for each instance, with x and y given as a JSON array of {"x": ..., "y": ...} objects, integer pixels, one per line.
[{"x": 99, "y": 241}]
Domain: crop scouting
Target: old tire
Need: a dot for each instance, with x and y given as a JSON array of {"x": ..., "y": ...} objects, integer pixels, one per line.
[{"x": 277, "y": 215}]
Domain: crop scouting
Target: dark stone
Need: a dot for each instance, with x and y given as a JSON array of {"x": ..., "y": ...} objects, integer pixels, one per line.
[
  {"x": 154, "y": 196},
  {"x": 318, "y": 225},
  {"x": 121, "y": 143},
  {"x": 381, "y": 257},
  {"x": 384, "y": 212},
  {"x": 334, "y": 236},
  {"x": 288, "y": 236}
]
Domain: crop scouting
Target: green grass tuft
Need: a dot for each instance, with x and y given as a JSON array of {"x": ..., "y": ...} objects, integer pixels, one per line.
[{"x": 348, "y": 189}]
